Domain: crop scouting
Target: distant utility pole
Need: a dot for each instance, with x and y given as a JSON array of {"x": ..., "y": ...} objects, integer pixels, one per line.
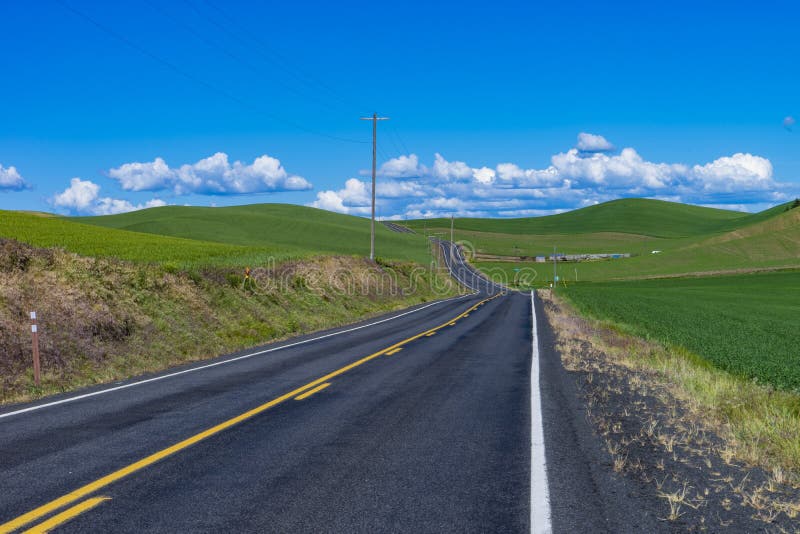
[
  {"x": 374, "y": 120},
  {"x": 452, "y": 239},
  {"x": 555, "y": 270}
]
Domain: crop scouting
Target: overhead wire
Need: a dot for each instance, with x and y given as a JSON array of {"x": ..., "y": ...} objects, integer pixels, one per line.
[
  {"x": 226, "y": 51},
  {"x": 276, "y": 58},
  {"x": 209, "y": 86}
]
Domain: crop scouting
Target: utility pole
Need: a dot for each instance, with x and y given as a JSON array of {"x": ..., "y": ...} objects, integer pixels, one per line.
[
  {"x": 555, "y": 270},
  {"x": 374, "y": 120},
  {"x": 452, "y": 239}
]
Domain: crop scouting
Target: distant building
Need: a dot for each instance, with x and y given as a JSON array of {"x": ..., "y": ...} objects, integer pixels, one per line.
[{"x": 586, "y": 257}]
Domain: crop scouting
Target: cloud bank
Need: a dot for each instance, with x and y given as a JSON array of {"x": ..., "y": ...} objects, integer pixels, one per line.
[
  {"x": 83, "y": 197},
  {"x": 11, "y": 179},
  {"x": 214, "y": 175},
  {"x": 589, "y": 173}
]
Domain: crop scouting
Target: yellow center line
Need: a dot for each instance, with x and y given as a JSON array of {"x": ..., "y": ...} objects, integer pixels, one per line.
[
  {"x": 92, "y": 487},
  {"x": 312, "y": 391},
  {"x": 395, "y": 351},
  {"x": 429, "y": 334},
  {"x": 66, "y": 515}
]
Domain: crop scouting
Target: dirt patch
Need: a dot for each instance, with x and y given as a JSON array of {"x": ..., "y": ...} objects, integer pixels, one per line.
[{"x": 657, "y": 440}]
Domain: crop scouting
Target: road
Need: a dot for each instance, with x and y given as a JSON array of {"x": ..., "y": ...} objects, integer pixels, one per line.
[
  {"x": 397, "y": 228},
  {"x": 419, "y": 421}
]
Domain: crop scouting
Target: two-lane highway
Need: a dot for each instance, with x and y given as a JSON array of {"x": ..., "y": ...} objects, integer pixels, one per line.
[
  {"x": 401, "y": 425},
  {"x": 424, "y": 420}
]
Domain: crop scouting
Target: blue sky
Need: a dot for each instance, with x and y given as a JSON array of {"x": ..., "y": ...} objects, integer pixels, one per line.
[{"x": 111, "y": 106}]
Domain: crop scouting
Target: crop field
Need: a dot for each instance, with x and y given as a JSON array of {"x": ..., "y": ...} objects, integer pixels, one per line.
[
  {"x": 86, "y": 240},
  {"x": 191, "y": 237},
  {"x": 296, "y": 230},
  {"x": 747, "y": 324}
]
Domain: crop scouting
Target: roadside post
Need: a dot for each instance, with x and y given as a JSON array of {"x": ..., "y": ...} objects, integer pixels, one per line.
[{"x": 37, "y": 371}]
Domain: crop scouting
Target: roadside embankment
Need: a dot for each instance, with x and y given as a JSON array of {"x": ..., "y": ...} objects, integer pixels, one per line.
[{"x": 102, "y": 320}]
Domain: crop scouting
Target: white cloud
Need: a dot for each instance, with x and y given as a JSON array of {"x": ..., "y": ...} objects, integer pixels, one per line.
[
  {"x": 78, "y": 196},
  {"x": 402, "y": 167},
  {"x": 740, "y": 172},
  {"x": 150, "y": 176},
  {"x": 83, "y": 196},
  {"x": 111, "y": 206},
  {"x": 355, "y": 198},
  {"x": 593, "y": 143},
  {"x": 484, "y": 175},
  {"x": 575, "y": 178},
  {"x": 11, "y": 179},
  {"x": 625, "y": 170},
  {"x": 214, "y": 175},
  {"x": 450, "y": 170}
]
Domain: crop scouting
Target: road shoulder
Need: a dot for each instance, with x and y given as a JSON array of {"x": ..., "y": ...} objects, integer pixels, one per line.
[{"x": 661, "y": 464}]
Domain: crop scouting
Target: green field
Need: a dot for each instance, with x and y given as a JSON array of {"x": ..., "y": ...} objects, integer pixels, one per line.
[
  {"x": 747, "y": 325},
  {"x": 690, "y": 239},
  {"x": 288, "y": 228},
  {"x": 192, "y": 236}
]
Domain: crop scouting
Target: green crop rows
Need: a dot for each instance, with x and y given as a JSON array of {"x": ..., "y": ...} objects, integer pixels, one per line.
[{"x": 748, "y": 325}]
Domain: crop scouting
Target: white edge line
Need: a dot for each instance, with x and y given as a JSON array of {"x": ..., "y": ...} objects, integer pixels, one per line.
[
  {"x": 540, "y": 498},
  {"x": 223, "y": 362}
]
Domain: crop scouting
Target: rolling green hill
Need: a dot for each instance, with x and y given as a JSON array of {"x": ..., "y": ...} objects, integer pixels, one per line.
[
  {"x": 654, "y": 218},
  {"x": 88, "y": 240},
  {"x": 192, "y": 236},
  {"x": 286, "y": 228},
  {"x": 690, "y": 239}
]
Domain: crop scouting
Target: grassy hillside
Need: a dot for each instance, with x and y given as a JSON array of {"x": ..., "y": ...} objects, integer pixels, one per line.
[
  {"x": 287, "y": 228},
  {"x": 89, "y": 240},
  {"x": 654, "y": 218},
  {"x": 771, "y": 242},
  {"x": 691, "y": 239}
]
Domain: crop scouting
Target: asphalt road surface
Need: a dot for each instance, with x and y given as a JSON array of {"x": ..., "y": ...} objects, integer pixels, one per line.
[{"x": 420, "y": 421}]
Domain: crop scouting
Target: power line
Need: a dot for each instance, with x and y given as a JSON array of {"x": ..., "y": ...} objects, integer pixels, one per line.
[
  {"x": 267, "y": 51},
  {"x": 226, "y": 51},
  {"x": 397, "y": 134},
  {"x": 173, "y": 67}
]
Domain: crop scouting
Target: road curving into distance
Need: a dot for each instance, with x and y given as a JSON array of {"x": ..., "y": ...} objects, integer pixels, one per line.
[{"x": 418, "y": 421}]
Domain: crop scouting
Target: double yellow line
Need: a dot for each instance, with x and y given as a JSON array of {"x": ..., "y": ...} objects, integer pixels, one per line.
[{"x": 100, "y": 483}]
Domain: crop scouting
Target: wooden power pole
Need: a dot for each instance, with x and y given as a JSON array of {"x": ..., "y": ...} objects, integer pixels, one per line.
[
  {"x": 374, "y": 120},
  {"x": 452, "y": 236}
]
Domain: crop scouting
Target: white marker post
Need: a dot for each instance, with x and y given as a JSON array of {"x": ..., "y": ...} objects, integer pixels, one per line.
[{"x": 37, "y": 371}]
